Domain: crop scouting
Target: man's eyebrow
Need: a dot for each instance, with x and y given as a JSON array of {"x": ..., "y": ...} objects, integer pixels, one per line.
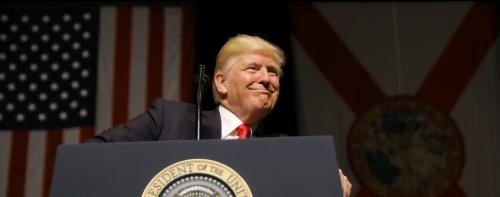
[{"x": 246, "y": 65}]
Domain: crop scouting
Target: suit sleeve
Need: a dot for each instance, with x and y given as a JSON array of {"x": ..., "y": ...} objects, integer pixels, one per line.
[{"x": 145, "y": 127}]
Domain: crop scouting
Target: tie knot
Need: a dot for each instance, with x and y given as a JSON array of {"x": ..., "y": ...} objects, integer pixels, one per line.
[{"x": 243, "y": 131}]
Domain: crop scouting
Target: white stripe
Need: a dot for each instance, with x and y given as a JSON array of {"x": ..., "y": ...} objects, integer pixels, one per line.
[
  {"x": 35, "y": 167},
  {"x": 105, "y": 68},
  {"x": 137, "y": 93},
  {"x": 71, "y": 135},
  {"x": 172, "y": 54},
  {"x": 5, "y": 144}
]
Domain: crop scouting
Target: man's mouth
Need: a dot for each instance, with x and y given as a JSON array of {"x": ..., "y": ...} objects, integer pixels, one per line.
[{"x": 262, "y": 91}]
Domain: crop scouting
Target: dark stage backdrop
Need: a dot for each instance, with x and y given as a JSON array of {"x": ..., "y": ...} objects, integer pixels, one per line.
[{"x": 215, "y": 24}]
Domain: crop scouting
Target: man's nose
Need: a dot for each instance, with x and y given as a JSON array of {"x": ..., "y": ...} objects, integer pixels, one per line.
[{"x": 264, "y": 75}]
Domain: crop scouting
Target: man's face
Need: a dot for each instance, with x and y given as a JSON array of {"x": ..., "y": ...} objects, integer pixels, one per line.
[{"x": 250, "y": 87}]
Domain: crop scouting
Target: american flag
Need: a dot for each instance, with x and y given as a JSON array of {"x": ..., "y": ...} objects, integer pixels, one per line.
[
  {"x": 69, "y": 72},
  {"x": 48, "y": 72}
]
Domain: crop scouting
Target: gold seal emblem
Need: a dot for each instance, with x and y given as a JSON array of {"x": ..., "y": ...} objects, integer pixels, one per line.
[
  {"x": 405, "y": 147},
  {"x": 197, "y": 177}
]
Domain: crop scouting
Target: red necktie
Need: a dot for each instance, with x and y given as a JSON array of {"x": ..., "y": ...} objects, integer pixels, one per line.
[{"x": 243, "y": 131}]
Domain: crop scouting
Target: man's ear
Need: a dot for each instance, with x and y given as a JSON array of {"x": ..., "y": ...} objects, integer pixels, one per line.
[{"x": 220, "y": 82}]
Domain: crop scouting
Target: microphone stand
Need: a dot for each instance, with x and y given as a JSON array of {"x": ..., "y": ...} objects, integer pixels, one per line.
[{"x": 199, "y": 99}]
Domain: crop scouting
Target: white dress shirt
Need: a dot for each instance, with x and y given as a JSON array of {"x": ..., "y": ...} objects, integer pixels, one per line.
[{"x": 229, "y": 122}]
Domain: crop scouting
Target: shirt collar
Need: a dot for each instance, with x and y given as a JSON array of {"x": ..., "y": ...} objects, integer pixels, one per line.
[{"x": 229, "y": 122}]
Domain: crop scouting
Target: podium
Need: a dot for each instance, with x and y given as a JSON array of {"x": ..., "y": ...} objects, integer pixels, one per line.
[{"x": 278, "y": 166}]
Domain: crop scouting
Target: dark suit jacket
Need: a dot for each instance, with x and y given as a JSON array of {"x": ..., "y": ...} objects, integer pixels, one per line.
[{"x": 167, "y": 120}]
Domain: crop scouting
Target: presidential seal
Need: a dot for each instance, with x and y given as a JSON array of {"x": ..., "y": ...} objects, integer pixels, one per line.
[
  {"x": 405, "y": 147},
  {"x": 197, "y": 177}
]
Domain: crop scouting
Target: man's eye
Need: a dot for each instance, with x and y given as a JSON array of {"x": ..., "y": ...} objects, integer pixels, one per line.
[{"x": 272, "y": 71}]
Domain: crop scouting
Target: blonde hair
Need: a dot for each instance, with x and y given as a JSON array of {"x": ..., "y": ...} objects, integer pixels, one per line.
[{"x": 241, "y": 44}]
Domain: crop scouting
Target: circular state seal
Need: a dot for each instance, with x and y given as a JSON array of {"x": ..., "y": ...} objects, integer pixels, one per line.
[
  {"x": 197, "y": 177},
  {"x": 405, "y": 147}
]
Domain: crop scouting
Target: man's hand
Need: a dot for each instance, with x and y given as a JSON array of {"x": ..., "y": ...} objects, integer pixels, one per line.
[{"x": 346, "y": 185}]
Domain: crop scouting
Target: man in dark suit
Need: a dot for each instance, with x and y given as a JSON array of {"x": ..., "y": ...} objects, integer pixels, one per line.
[{"x": 245, "y": 86}]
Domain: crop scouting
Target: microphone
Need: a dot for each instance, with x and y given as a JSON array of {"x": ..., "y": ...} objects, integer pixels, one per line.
[{"x": 201, "y": 81}]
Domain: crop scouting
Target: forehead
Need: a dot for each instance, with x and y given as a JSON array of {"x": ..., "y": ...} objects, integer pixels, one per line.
[{"x": 256, "y": 58}]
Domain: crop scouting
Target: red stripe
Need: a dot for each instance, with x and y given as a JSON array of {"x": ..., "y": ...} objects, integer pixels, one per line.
[
  {"x": 337, "y": 63},
  {"x": 454, "y": 191},
  {"x": 86, "y": 132},
  {"x": 155, "y": 55},
  {"x": 54, "y": 139},
  {"x": 18, "y": 161},
  {"x": 187, "y": 54},
  {"x": 121, "y": 79},
  {"x": 461, "y": 58}
]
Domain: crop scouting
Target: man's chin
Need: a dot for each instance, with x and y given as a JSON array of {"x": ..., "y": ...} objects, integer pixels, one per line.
[{"x": 265, "y": 107}]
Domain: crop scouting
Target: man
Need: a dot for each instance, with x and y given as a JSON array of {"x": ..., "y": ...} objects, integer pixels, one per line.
[{"x": 245, "y": 86}]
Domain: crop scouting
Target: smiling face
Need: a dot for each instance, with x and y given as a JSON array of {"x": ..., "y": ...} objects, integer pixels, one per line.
[{"x": 250, "y": 86}]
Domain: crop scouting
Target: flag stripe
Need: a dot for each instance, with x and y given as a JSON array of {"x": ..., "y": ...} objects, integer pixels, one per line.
[
  {"x": 122, "y": 65},
  {"x": 155, "y": 55},
  {"x": 17, "y": 166},
  {"x": 86, "y": 132},
  {"x": 137, "y": 93},
  {"x": 54, "y": 138},
  {"x": 336, "y": 61},
  {"x": 471, "y": 42},
  {"x": 71, "y": 135},
  {"x": 171, "y": 60},
  {"x": 5, "y": 145},
  {"x": 35, "y": 169},
  {"x": 105, "y": 73},
  {"x": 187, "y": 55}
]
